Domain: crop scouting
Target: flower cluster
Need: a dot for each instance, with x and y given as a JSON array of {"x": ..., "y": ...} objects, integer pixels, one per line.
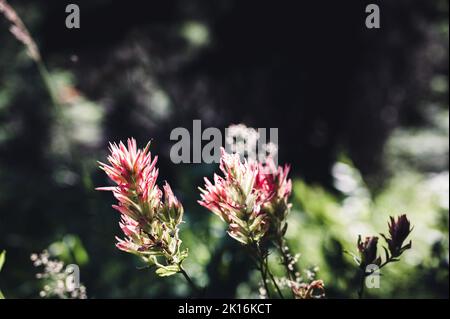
[
  {"x": 275, "y": 188},
  {"x": 399, "y": 230},
  {"x": 314, "y": 290},
  {"x": 368, "y": 251},
  {"x": 234, "y": 199},
  {"x": 251, "y": 197},
  {"x": 149, "y": 221},
  {"x": 58, "y": 282}
]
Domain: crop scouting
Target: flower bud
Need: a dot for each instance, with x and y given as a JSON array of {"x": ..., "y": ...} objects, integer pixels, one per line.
[
  {"x": 399, "y": 230},
  {"x": 368, "y": 251}
]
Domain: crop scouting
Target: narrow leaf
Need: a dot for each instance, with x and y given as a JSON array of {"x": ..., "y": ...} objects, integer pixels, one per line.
[
  {"x": 386, "y": 252},
  {"x": 2, "y": 259}
]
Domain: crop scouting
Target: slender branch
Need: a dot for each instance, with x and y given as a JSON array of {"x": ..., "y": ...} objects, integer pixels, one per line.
[
  {"x": 263, "y": 271},
  {"x": 286, "y": 260},
  {"x": 386, "y": 262},
  {"x": 254, "y": 251},
  {"x": 265, "y": 265},
  {"x": 365, "y": 274},
  {"x": 189, "y": 280},
  {"x": 361, "y": 283},
  {"x": 274, "y": 281}
]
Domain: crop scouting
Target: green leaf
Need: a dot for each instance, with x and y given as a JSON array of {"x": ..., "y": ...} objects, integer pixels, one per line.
[
  {"x": 355, "y": 258},
  {"x": 79, "y": 252},
  {"x": 2, "y": 259},
  {"x": 284, "y": 229},
  {"x": 2, "y": 262},
  {"x": 70, "y": 250},
  {"x": 167, "y": 270}
]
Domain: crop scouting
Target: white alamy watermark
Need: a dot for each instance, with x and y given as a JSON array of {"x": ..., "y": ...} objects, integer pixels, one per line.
[
  {"x": 59, "y": 280},
  {"x": 372, "y": 281},
  {"x": 73, "y": 17},
  {"x": 73, "y": 277},
  {"x": 373, "y": 17},
  {"x": 203, "y": 146}
]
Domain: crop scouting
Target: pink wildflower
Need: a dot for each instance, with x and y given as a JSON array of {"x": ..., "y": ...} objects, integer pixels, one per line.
[
  {"x": 251, "y": 197},
  {"x": 275, "y": 188},
  {"x": 150, "y": 224}
]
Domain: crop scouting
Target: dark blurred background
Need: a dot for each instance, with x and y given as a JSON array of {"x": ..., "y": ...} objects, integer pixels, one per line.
[{"x": 362, "y": 116}]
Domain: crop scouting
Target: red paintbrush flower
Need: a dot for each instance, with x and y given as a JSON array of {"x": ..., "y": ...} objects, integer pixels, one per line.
[
  {"x": 149, "y": 223},
  {"x": 368, "y": 251},
  {"x": 251, "y": 197},
  {"x": 399, "y": 230}
]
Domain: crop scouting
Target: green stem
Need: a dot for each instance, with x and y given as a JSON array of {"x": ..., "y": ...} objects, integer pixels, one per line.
[
  {"x": 274, "y": 281},
  {"x": 265, "y": 270},
  {"x": 189, "y": 280},
  {"x": 364, "y": 275},
  {"x": 361, "y": 284},
  {"x": 254, "y": 252},
  {"x": 286, "y": 260}
]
